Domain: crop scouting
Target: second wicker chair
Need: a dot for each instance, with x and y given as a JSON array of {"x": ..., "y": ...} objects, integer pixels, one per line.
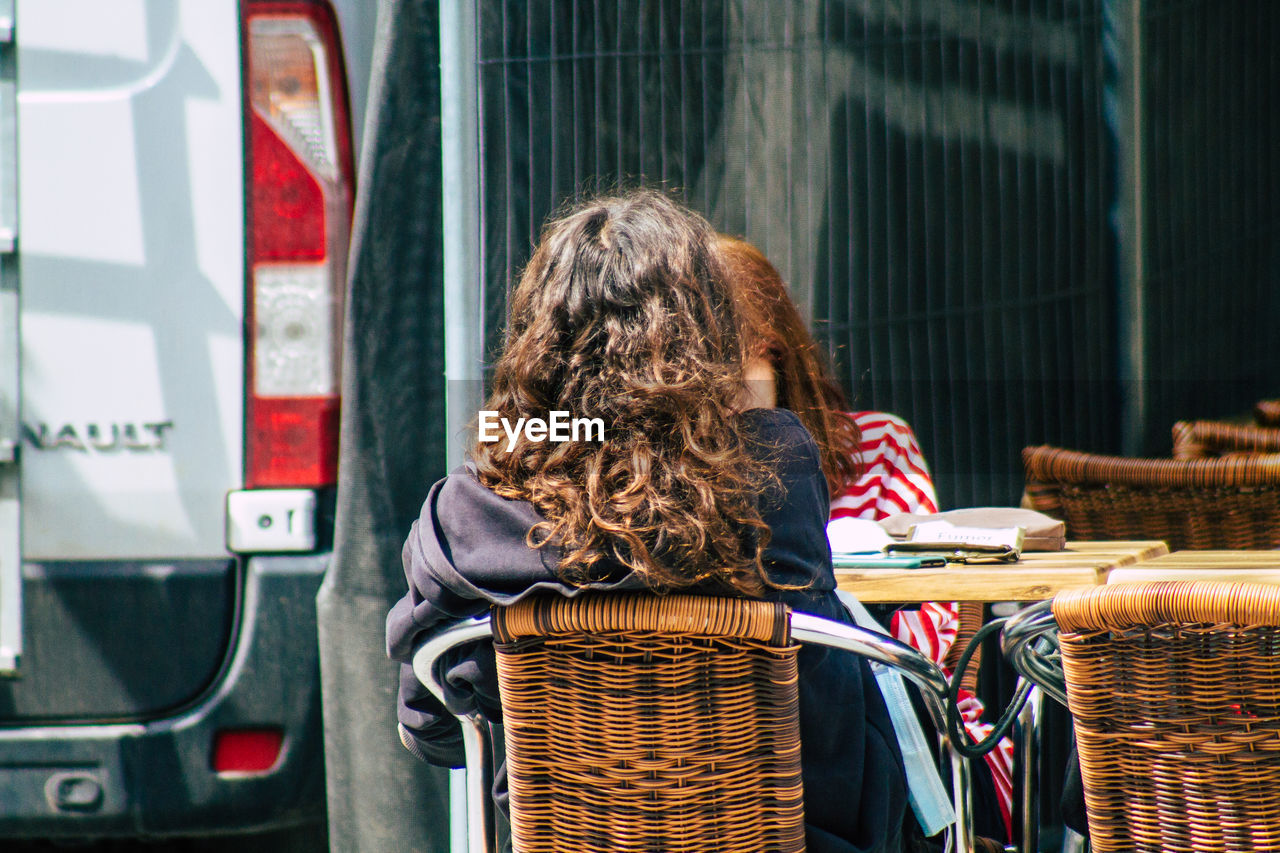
[
  {"x": 1233, "y": 502},
  {"x": 1172, "y": 687}
]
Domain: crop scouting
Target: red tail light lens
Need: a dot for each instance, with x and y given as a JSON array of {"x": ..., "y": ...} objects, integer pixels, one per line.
[
  {"x": 288, "y": 203},
  {"x": 246, "y": 750},
  {"x": 300, "y": 187},
  {"x": 286, "y": 430}
]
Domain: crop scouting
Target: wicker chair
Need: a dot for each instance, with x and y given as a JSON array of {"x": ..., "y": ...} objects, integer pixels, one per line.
[
  {"x": 1267, "y": 413},
  {"x": 640, "y": 722},
  {"x": 1207, "y": 439},
  {"x": 1175, "y": 693},
  {"x": 1232, "y": 502}
]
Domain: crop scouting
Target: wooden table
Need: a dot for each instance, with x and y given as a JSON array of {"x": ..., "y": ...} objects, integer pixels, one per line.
[
  {"x": 1233, "y": 566},
  {"x": 1037, "y": 576}
]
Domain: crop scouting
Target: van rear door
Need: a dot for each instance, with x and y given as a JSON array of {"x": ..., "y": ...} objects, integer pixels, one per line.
[
  {"x": 130, "y": 165},
  {"x": 132, "y": 262}
]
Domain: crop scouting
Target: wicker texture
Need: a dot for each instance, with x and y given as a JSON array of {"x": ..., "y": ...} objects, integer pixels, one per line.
[
  {"x": 1207, "y": 439},
  {"x": 647, "y": 723},
  {"x": 1175, "y": 693},
  {"x": 972, "y": 617},
  {"x": 1267, "y": 413},
  {"x": 1233, "y": 502}
]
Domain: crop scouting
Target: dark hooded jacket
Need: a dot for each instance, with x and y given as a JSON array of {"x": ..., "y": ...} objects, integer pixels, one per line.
[{"x": 467, "y": 550}]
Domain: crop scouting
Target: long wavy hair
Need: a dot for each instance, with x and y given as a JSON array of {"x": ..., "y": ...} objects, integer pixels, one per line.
[
  {"x": 774, "y": 330},
  {"x": 624, "y": 313}
]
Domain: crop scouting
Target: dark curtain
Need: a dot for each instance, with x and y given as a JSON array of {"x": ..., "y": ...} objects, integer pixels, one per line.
[{"x": 379, "y": 796}]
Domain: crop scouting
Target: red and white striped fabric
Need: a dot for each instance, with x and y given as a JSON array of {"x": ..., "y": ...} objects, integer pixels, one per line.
[{"x": 896, "y": 479}]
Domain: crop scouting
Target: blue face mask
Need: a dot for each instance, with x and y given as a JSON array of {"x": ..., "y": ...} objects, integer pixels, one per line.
[{"x": 925, "y": 791}]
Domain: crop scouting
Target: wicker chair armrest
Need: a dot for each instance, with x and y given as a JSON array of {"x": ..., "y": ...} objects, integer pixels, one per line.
[
  {"x": 476, "y": 734},
  {"x": 1187, "y": 442},
  {"x": 1199, "y": 439},
  {"x": 1052, "y": 464},
  {"x": 1028, "y": 642},
  {"x": 1119, "y": 607}
]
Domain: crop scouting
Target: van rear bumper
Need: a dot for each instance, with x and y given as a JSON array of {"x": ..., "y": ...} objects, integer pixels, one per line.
[{"x": 156, "y": 777}]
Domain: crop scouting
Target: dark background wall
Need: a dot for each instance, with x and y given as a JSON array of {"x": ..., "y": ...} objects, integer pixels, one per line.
[
  {"x": 1208, "y": 94},
  {"x": 1014, "y": 222}
]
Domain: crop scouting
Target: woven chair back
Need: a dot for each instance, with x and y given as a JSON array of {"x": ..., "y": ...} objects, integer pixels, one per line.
[
  {"x": 1233, "y": 502},
  {"x": 1208, "y": 439},
  {"x": 972, "y": 617},
  {"x": 1175, "y": 693},
  {"x": 650, "y": 723}
]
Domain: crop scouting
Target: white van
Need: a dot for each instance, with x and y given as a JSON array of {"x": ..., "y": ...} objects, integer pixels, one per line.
[{"x": 176, "y": 183}]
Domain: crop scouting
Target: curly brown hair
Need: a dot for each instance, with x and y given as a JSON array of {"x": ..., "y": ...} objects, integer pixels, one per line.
[
  {"x": 624, "y": 313},
  {"x": 774, "y": 330}
]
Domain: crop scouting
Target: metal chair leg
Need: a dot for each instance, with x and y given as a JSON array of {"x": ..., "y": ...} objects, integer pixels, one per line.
[{"x": 1030, "y": 720}]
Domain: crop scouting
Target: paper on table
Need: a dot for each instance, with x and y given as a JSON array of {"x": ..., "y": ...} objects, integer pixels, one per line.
[
  {"x": 857, "y": 536},
  {"x": 961, "y": 544},
  {"x": 946, "y": 532}
]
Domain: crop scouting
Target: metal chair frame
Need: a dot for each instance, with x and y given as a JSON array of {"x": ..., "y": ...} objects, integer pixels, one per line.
[
  {"x": 1026, "y": 641},
  {"x": 805, "y": 628},
  {"x": 1029, "y": 643}
]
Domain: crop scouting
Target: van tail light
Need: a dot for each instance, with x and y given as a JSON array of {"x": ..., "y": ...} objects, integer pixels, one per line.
[
  {"x": 299, "y": 189},
  {"x": 246, "y": 750}
]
